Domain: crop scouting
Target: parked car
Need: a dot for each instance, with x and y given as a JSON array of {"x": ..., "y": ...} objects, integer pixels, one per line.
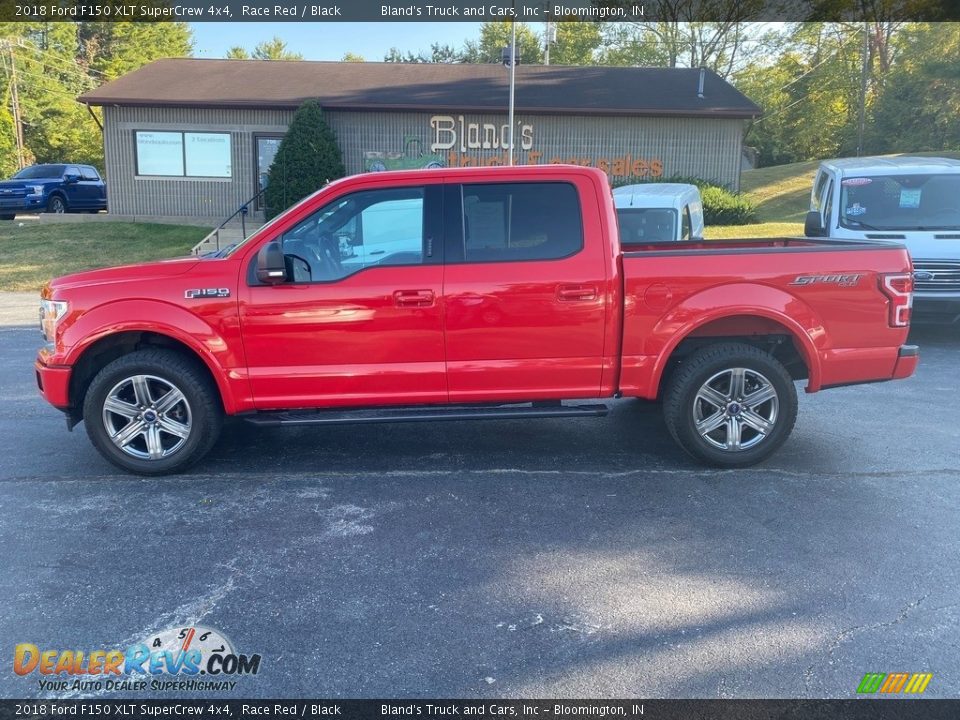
[
  {"x": 910, "y": 200},
  {"x": 510, "y": 297},
  {"x": 53, "y": 188},
  {"x": 658, "y": 211}
]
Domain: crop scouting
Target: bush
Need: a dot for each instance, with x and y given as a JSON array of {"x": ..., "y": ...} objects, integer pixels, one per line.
[
  {"x": 307, "y": 159},
  {"x": 720, "y": 206}
]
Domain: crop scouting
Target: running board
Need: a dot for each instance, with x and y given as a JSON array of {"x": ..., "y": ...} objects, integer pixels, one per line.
[{"x": 425, "y": 414}]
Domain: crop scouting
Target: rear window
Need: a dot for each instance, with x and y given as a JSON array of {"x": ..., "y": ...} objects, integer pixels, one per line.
[
  {"x": 507, "y": 222},
  {"x": 643, "y": 225},
  {"x": 900, "y": 202}
]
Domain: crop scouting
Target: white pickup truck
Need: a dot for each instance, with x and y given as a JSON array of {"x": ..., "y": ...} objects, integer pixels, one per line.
[
  {"x": 913, "y": 201},
  {"x": 658, "y": 211}
]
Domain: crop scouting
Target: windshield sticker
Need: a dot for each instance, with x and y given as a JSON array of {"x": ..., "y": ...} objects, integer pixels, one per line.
[
  {"x": 854, "y": 182},
  {"x": 855, "y": 210},
  {"x": 909, "y": 197}
]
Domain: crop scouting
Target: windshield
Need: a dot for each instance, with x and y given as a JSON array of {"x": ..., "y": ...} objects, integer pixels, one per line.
[
  {"x": 642, "y": 225},
  {"x": 901, "y": 202},
  {"x": 37, "y": 172}
]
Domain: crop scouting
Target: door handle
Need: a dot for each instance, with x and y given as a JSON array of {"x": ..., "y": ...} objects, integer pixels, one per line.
[
  {"x": 572, "y": 293},
  {"x": 413, "y": 298}
]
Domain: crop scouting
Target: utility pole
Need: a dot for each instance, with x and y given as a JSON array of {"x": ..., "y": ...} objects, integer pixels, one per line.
[
  {"x": 513, "y": 80},
  {"x": 15, "y": 102},
  {"x": 863, "y": 88},
  {"x": 549, "y": 37}
]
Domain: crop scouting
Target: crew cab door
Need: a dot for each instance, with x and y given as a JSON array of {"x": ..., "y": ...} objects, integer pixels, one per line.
[
  {"x": 524, "y": 288},
  {"x": 358, "y": 321}
]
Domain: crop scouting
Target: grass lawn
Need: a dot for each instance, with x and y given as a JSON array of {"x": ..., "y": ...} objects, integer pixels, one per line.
[{"x": 32, "y": 254}]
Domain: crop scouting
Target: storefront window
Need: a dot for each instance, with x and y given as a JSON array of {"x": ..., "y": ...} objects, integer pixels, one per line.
[{"x": 183, "y": 154}]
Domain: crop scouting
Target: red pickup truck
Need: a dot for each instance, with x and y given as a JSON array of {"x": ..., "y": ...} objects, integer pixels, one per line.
[{"x": 468, "y": 293}]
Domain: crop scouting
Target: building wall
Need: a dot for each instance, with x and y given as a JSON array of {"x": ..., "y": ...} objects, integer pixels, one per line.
[{"x": 709, "y": 148}]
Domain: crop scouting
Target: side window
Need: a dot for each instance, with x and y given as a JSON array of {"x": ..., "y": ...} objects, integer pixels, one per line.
[
  {"x": 360, "y": 230},
  {"x": 817, "y": 196},
  {"x": 72, "y": 170},
  {"x": 507, "y": 222},
  {"x": 828, "y": 208},
  {"x": 88, "y": 173},
  {"x": 685, "y": 224}
]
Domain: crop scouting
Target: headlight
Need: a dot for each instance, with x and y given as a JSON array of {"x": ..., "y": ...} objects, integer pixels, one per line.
[
  {"x": 36, "y": 189},
  {"x": 50, "y": 313}
]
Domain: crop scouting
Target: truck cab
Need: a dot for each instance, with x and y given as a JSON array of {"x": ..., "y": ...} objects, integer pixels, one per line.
[
  {"x": 658, "y": 211},
  {"x": 914, "y": 201}
]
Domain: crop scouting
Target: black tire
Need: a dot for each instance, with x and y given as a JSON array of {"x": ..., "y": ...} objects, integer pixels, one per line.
[
  {"x": 56, "y": 204},
  {"x": 200, "y": 411},
  {"x": 712, "y": 370}
]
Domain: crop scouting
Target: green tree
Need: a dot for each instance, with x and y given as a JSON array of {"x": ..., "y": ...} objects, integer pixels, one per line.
[
  {"x": 307, "y": 159},
  {"x": 495, "y": 35},
  {"x": 274, "y": 49},
  {"x": 112, "y": 49},
  {"x": 438, "y": 54},
  {"x": 237, "y": 53},
  {"x": 352, "y": 57},
  {"x": 576, "y": 43}
]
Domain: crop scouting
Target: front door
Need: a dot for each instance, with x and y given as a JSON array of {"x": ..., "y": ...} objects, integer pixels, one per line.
[
  {"x": 525, "y": 293},
  {"x": 359, "y": 321}
]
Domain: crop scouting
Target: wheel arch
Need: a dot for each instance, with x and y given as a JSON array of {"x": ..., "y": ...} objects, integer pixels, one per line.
[
  {"x": 762, "y": 327},
  {"x": 107, "y": 348}
]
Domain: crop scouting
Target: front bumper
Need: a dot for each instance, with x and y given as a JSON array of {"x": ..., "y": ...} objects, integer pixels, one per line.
[
  {"x": 30, "y": 203},
  {"x": 54, "y": 384},
  {"x": 935, "y": 307}
]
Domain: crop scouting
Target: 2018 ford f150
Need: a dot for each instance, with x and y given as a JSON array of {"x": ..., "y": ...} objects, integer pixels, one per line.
[{"x": 468, "y": 293}]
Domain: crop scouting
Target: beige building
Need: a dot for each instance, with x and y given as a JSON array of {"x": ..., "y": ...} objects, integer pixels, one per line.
[{"x": 189, "y": 137}]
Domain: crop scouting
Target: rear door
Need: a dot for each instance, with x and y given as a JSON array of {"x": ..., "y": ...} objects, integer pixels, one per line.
[{"x": 524, "y": 290}]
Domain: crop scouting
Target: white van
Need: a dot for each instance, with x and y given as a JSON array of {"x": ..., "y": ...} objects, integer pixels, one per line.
[
  {"x": 650, "y": 212},
  {"x": 914, "y": 201}
]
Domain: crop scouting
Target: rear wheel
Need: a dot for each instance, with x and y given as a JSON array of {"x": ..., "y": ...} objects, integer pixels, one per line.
[
  {"x": 57, "y": 205},
  {"x": 153, "y": 412},
  {"x": 730, "y": 405}
]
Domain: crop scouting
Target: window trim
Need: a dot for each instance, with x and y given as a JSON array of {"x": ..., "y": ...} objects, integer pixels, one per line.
[
  {"x": 183, "y": 153},
  {"x": 455, "y": 223}
]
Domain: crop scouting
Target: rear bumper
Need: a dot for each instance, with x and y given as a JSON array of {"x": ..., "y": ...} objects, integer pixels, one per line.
[
  {"x": 54, "y": 384},
  {"x": 907, "y": 360},
  {"x": 935, "y": 307}
]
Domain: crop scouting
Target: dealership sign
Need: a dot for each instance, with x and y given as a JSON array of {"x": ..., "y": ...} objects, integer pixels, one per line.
[{"x": 462, "y": 143}]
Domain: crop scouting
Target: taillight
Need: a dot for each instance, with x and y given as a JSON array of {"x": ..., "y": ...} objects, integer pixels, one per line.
[{"x": 899, "y": 288}]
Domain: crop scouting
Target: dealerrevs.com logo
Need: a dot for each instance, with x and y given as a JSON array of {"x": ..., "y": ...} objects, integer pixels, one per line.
[{"x": 174, "y": 659}]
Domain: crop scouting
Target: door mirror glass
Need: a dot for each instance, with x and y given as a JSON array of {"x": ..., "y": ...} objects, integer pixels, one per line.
[
  {"x": 812, "y": 226},
  {"x": 271, "y": 266}
]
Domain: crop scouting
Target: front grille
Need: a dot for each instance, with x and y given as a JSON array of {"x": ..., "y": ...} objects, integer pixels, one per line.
[{"x": 936, "y": 275}]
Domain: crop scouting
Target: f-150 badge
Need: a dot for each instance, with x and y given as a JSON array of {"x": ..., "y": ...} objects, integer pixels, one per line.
[
  {"x": 207, "y": 293},
  {"x": 841, "y": 280}
]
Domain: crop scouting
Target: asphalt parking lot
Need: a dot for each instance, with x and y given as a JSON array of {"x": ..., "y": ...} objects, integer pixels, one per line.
[{"x": 536, "y": 558}]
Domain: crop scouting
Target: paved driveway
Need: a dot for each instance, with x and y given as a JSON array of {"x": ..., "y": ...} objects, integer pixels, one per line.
[{"x": 525, "y": 558}]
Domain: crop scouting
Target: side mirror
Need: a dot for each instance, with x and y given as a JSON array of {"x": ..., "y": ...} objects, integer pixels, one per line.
[
  {"x": 71, "y": 178},
  {"x": 813, "y": 226},
  {"x": 271, "y": 266}
]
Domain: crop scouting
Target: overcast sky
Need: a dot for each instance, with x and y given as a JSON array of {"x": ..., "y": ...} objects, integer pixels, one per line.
[{"x": 329, "y": 41}]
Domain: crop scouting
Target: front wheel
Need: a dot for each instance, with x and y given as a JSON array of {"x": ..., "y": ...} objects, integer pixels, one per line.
[
  {"x": 153, "y": 412},
  {"x": 730, "y": 405},
  {"x": 56, "y": 205}
]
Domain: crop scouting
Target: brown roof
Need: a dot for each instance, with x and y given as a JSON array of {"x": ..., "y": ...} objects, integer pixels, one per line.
[{"x": 188, "y": 82}]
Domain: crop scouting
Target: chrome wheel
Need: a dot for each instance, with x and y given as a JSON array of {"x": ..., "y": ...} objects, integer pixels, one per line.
[
  {"x": 736, "y": 409},
  {"x": 57, "y": 206},
  {"x": 147, "y": 417}
]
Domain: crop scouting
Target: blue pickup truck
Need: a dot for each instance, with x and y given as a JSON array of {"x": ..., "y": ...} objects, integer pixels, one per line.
[{"x": 53, "y": 188}]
